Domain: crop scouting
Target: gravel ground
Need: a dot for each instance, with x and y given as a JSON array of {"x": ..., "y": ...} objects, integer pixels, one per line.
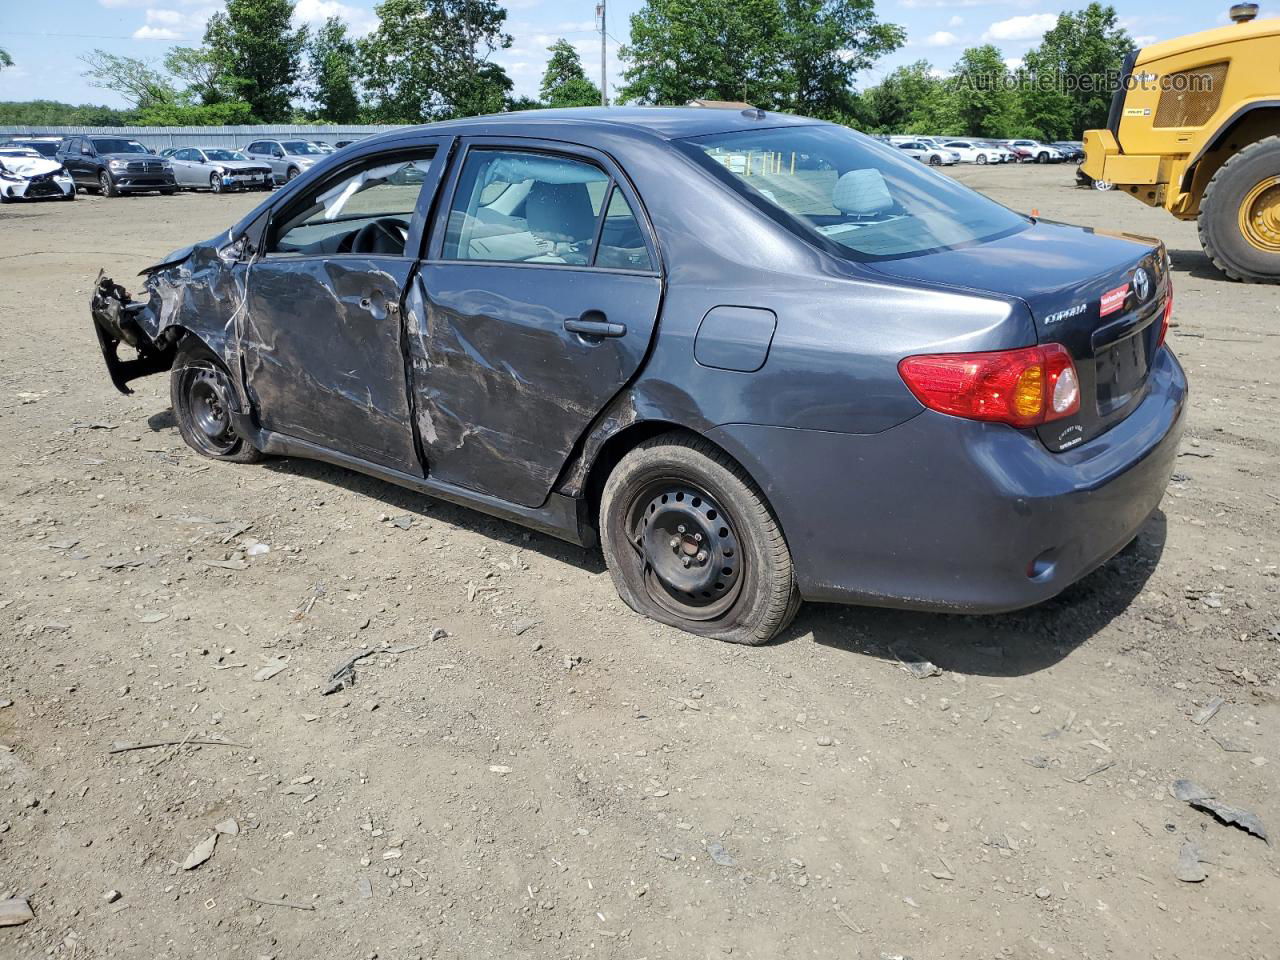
[{"x": 555, "y": 777}]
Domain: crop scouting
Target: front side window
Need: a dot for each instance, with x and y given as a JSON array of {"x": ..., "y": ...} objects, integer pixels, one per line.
[
  {"x": 367, "y": 210},
  {"x": 301, "y": 148},
  {"x": 867, "y": 200}
]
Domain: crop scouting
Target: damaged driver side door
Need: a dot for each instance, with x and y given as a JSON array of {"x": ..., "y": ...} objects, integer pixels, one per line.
[{"x": 322, "y": 334}]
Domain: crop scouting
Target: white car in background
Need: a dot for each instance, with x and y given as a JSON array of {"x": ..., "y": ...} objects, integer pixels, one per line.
[
  {"x": 973, "y": 151},
  {"x": 1040, "y": 152},
  {"x": 927, "y": 153},
  {"x": 27, "y": 175}
]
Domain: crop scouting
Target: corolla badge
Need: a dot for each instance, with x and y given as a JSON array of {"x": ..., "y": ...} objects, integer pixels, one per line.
[
  {"x": 1141, "y": 284},
  {"x": 1067, "y": 314}
]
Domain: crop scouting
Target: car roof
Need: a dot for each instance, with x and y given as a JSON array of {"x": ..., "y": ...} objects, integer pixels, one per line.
[{"x": 667, "y": 123}]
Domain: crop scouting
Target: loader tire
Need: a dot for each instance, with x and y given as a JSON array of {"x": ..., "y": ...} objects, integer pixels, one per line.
[{"x": 1240, "y": 214}]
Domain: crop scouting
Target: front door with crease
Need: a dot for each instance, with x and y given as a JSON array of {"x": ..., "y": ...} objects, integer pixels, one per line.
[{"x": 322, "y": 335}]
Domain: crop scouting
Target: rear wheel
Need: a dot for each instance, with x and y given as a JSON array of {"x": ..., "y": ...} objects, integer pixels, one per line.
[
  {"x": 691, "y": 542},
  {"x": 107, "y": 185},
  {"x": 201, "y": 393},
  {"x": 1240, "y": 214}
]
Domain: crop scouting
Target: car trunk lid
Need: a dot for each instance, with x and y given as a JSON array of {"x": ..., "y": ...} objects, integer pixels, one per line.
[{"x": 1098, "y": 294}]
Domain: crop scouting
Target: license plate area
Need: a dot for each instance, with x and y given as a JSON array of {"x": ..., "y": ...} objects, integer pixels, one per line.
[{"x": 1120, "y": 370}]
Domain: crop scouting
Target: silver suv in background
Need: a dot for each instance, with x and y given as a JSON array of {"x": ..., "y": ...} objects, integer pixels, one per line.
[
  {"x": 287, "y": 158},
  {"x": 927, "y": 153}
]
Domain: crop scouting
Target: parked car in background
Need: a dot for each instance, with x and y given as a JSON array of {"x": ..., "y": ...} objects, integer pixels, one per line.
[
  {"x": 1000, "y": 153},
  {"x": 973, "y": 151},
  {"x": 1039, "y": 152},
  {"x": 27, "y": 175},
  {"x": 287, "y": 158},
  {"x": 45, "y": 146},
  {"x": 115, "y": 165},
  {"x": 925, "y": 153},
  {"x": 217, "y": 169},
  {"x": 927, "y": 400},
  {"x": 1071, "y": 150},
  {"x": 324, "y": 145}
]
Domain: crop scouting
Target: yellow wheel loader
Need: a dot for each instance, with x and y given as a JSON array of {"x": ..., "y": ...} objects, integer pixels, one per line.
[{"x": 1194, "y": 127}]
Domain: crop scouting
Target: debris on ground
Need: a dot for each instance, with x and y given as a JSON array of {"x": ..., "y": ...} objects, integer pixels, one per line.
[
  {"x": 202, "y": 852},
  {"x": 1208, "y": 711},
  {"x": 15, "y": 912},
  {"x": 344, "y": 675},
  {"x": 124, "y": 746},
  {"x": 1198, "y": 797},
  {"x": 717, "y": 852},
  {"x": 268, "y": 671},
  {"x": 916, "y": 665},
  {"x": 1190, "y": 867}
]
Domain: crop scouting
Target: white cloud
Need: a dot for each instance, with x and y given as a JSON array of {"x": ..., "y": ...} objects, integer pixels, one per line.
[
  {"x": 1146, "y": 40},
  {"x": 955, "y": 21},
  {"x": 1028, "y": 27},
  {"x": 170, "y": 18},
  {"x": 1013, "y": 63},
  {"x": 316, "y": 12},
  {"x": 935, "y": 4},
  {"x": 940, "y": 39},
  {"x": 156, "y": 33}
]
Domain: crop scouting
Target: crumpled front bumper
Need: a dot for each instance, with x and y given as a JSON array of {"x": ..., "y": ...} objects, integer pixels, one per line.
[
  {"x": 39, "y": 188},
  {"x": 115, "y": 321}
]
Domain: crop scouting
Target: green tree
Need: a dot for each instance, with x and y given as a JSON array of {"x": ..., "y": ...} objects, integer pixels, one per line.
[
  {"x": 982, "y": 93},
  {"x": 910, "y": 99},
  {"x": 195, "y": 114},
  {"x": 51, "y": 113},
  {"x": 259, "y": 52},
  {"x": 1068, "y": 75},
  {"x": 799, "y": 55},
  {"x": 5, "y": 59},
  {"x": 523, "y": 103},
  {"x": 202, "y": 72},
  {"x": 429, "y": 60},
  {"x": 564, "y": 82},
  {"x": 133, "y": 79},
  {"x": 331, "y": 61}
]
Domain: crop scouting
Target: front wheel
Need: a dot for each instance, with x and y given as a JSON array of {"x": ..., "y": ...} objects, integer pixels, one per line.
[
  {"x": 215, "y": 183},
  {"x": 293, "y": 172},
  {"x": 982, "y": 158},
  {"x": 935, "y": 160},
  {"x": 201, "y": 394},
  {"x": 107, "y": 185},
  {"x": 691, "y": 542},
  {"x": 1240, "y": 214}
]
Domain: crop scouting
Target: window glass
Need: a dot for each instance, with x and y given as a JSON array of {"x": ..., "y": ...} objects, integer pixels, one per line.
[
  {"x": 867, "y": 199},
  {"x": 302, "y": 148},
  {"x": 255, "y": 147},
  {"x": 118, "y": 145},
  {"x": 622, "y": 243},
  {"x": 521, "y": 207},
  {"x": 366, "y": 211},
  {"x": 217, "y": 155}
]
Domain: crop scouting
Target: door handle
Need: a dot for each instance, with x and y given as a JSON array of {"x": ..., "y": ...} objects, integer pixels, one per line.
[{"x": 595, "y": 328}]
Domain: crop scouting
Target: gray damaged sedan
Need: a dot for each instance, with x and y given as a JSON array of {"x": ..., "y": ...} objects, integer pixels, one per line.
[
  {"x": 217, "y": 169},
  {"x": 757, "y": 358}
]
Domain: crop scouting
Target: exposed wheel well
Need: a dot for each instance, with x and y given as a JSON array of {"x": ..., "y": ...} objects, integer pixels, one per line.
[{"x": 1256, "y": 123}]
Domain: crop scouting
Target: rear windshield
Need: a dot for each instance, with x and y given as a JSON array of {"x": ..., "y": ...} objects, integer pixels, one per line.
[
  {"x": 114, "y": 145},
  {"x": 865, "y": 199}
]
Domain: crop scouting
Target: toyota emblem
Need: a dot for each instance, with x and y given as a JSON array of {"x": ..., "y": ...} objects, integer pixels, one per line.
[{"x": 1141, "y": 284}]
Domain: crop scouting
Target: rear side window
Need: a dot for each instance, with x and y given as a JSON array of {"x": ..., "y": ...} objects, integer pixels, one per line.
[
  {"x": 515, "y": 206},
  {"x": 862, "y": 198}
]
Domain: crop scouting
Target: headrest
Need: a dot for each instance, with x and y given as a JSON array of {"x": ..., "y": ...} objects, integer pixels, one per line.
[{"x": 861, "y": 193}]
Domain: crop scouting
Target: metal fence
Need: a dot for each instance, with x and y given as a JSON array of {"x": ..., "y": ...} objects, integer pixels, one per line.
[{"x": 158, "y": 138}]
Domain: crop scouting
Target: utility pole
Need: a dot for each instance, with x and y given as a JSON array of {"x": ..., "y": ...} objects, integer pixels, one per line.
[{"x": 604, "y": 70}]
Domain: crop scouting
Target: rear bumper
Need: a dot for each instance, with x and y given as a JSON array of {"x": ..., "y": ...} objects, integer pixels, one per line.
[{"x": 945, "y": 514}]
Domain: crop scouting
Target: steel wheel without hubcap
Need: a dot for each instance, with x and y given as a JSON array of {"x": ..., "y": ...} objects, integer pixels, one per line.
[
  {"x": 692, "y": 566},
  {"x": 207, "y": 411},
  {"x": 1260, "y": 216}
]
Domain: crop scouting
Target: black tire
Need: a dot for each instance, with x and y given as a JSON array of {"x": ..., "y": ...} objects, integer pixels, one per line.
[
  {"x": 215, "y": 183},
  {"x": 168, "y": 191},
  {"x": 691, "y": 542},
  {"x": 106, "y": 185},
  {"x": 198, "y": 389},
  {"x": 293, "y": 172},
  {"x": 982, "y": 158},
  {"x": 1042, "y": 157},
  {"x": 1220, "y": 232},
  {"x": 935, "y": 160}
]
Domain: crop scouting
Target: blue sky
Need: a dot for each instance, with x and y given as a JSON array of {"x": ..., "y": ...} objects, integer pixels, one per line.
[{"x": 45, "y": 36}]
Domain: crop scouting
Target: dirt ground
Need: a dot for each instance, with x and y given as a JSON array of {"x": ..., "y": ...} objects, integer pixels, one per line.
[{"x": 558, "y": 778}]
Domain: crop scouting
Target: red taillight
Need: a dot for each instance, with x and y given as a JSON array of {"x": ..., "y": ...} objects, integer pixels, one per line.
[
  {"x": 1024, "y": 387},
  {"x": 1168, "y": 312}
]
